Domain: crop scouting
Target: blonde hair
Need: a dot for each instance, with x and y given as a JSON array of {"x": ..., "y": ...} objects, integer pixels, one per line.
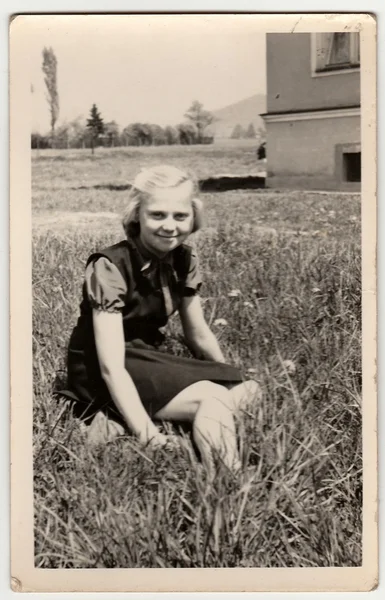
[{"x": 146, "y": 182}]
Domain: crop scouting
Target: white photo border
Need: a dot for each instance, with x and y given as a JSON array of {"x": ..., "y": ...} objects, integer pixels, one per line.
[{"x": 27, "y": 577}]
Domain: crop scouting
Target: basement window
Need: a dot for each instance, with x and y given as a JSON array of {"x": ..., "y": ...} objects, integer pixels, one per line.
[{"x": 351, "y": 164}]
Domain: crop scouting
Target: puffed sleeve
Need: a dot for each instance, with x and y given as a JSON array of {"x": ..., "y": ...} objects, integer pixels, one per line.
[
  {"x": 193, "y": 280},
  {"x": 105, "y": 286}
]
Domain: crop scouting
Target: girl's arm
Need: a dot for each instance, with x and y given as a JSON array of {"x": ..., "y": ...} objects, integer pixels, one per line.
[
  {"x": 109, "y": 339},
  {"x": 198, "y": 334}
]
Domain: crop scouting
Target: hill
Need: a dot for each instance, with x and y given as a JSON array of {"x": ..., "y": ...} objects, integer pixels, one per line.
[{"x": 243, "y": 112}]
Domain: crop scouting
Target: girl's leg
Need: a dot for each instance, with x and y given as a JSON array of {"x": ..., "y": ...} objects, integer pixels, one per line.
[
  {"x": 208, "y": 406},
  {"x": 244, "y": 395}
]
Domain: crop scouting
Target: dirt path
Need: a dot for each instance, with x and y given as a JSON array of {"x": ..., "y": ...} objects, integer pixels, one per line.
[{"x": 60, "y": 220}]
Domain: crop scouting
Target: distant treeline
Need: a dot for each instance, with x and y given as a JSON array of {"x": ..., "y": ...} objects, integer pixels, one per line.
[
  {"x": 239, "y": 132},
  {"x": 76, "y": 134},
  {"x": 96, "y": 132}
]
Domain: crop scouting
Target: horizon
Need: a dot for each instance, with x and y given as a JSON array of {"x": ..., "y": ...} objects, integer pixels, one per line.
[{"x": 139, "y": 52}]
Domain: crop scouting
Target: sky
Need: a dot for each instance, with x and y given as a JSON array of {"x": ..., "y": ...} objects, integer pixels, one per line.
[{"x": 145, "y": 68}]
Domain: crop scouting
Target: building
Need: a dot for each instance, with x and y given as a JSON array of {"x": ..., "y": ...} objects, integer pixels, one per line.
[{"x": 313, "y": 110}]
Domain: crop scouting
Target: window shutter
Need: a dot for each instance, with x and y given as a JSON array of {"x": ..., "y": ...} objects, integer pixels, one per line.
[{"x": 323, "y": 41}]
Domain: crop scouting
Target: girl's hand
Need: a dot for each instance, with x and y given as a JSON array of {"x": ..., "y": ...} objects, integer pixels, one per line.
[
  {"x": 159, "y": 440},
  {"x": 198, "y": 335}
]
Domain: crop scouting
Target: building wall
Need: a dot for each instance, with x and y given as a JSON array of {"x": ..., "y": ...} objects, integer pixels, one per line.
[
  {"x": 308, "y": 153},
  {"x": 290, "y": 85}
]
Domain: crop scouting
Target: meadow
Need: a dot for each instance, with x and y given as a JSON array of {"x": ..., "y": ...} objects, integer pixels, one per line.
[{"x": 282, "y": 291}]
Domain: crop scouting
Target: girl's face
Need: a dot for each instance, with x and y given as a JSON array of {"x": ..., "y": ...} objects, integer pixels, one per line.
[{"x": 166, "y": 219}]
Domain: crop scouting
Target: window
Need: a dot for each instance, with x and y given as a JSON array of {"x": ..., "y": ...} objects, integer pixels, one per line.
[
  {"x": 351, "y": 166},
  {"x": 347, "y": 166},
  {"x": 336, "y": 51}
]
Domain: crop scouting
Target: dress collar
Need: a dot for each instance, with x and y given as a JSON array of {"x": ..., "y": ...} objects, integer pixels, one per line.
[{"x": 147, "y": 260}]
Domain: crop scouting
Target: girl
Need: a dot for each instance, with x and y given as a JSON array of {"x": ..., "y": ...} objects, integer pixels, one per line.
[{"x": 115, "y": 357}]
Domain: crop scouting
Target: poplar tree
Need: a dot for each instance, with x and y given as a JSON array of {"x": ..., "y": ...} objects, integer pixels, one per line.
[{"x": 50, "y": 77}]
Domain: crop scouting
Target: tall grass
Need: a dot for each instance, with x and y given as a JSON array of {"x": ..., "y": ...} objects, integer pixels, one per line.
[{"x": 286, "y": 308}]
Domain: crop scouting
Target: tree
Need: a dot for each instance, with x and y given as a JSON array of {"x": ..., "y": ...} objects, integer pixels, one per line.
[
  {"x": 39, "y": 141},
  {"x": 171, "y": 134},
  {"x": 146, "y": 134},
  {"x": 62, "y": 139},
  {"x": 50, "y": 77},
  {"x": 111, "y": 131},
  {"x": 200, "y": 118},
  {"x": 158, "y": 136},
  {"x": 187, "y": 134},
  {"x": 95, "y": 125},
  {"x": 238, "y": 132},
  {"x": 138, "y": 134},
  {"x": 130, "y": 136},
  {"x": 250, "y": 132},
  {"x": 77, "y": 133}
]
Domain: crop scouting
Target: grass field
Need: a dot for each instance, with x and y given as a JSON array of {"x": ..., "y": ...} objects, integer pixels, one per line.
[{"x": 293, "y": 260}]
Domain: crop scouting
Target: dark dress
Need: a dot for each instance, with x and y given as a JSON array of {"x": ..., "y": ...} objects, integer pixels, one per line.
[{"x": 146, "y": 290}]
